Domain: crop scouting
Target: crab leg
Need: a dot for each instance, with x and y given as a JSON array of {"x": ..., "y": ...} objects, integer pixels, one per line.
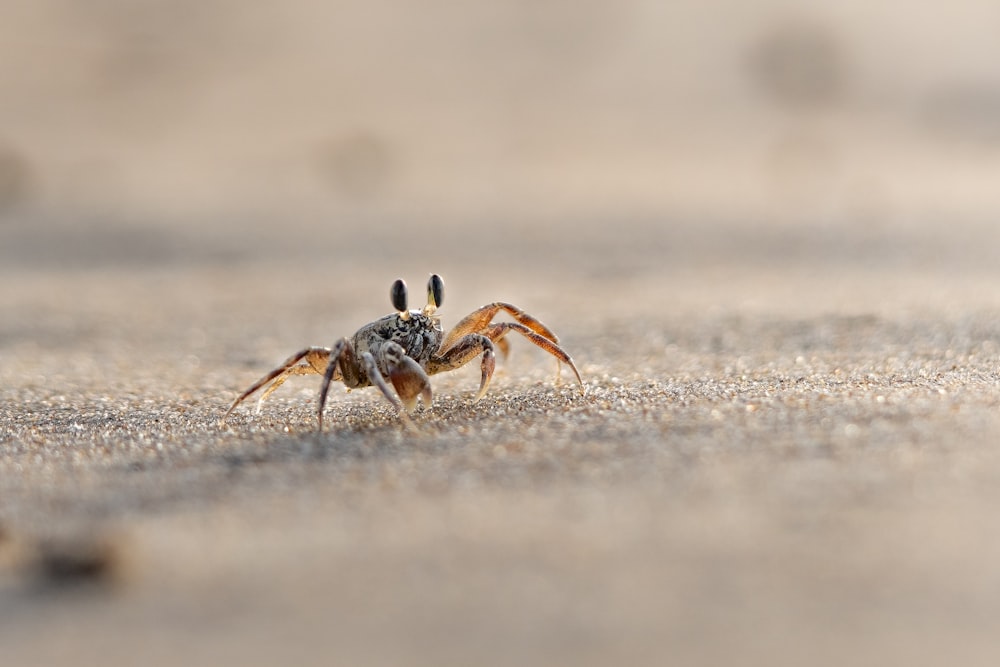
[
  {"x": 478, "y": 320},
  {"x": 301, "y": 369},
  {"x": 462, "y": 352},
  {"x": 496, "y": 333},
  {"x": 501, "y": 344},
  {"x": 340, "y": 365},
  {"x": 316, "y": 360}
]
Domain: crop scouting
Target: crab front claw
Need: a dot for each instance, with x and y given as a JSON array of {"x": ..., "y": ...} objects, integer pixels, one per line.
[{"x": 407, "y": 377}]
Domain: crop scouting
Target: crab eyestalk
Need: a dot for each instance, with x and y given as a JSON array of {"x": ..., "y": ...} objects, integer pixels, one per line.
[
  {"x": 435, "y": 293},
  {"x": 397, "y": 294}
]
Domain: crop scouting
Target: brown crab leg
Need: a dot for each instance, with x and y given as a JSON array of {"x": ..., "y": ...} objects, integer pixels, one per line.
[
  {"x": 501, "y": 344},
  {"x": 316, "y": 359},
  {"x": 479, "y": 319},
  {"x": 340, "y": 364},
  {"x": 316, "y": 362},
  {"x": 301, "y": 369},
  {"x": 462, "y": 352},
  {"x": 500, "y": 329}
]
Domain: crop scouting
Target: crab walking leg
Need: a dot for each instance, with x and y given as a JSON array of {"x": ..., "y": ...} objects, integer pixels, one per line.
[
  {"x": 301, "y": 369},
  {"x": 498, "y": 331},
  {"x": 462, "y": 352},
  {"x": 340, "y": 366},
  {"x": 478, "y": 320},
  {"x": 501, "y": 344},
  {"x": 315, "y": 360}
]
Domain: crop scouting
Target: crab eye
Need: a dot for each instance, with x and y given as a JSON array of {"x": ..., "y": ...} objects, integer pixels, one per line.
[
  {"x": 397, "y": 293},
  {"x": 435, "y": 291}
]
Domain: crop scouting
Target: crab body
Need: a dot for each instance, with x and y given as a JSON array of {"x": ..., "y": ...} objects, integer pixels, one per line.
[
  {"x": 419, "y": 335},
  {"x": 404, "y": 348}
]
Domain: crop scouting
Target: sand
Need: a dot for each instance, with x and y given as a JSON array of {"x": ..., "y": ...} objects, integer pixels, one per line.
[
  {"x": 785, "y": 454},
  {"x": 767, "y": 237}
]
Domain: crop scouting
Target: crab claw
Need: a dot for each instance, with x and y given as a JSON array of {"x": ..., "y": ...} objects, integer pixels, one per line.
[{"x": 407, "y": 378}]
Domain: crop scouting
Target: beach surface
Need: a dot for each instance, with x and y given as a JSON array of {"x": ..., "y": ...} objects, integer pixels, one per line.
[
  {"x": 768, "y": 243},
  {"x": 789, "y": 460}
]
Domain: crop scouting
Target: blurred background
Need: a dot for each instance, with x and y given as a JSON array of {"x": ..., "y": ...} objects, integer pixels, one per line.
[{"x": 207, "y": 127}]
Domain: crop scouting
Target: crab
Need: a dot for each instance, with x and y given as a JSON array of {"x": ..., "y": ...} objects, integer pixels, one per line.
[{"x": 403, "y": 349}]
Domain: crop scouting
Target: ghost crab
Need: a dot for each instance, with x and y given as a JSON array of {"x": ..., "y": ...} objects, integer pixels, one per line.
[{"x": 404, "y": 348}]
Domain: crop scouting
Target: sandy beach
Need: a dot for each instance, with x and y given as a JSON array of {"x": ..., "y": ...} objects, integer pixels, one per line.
[{"x": 786, "y": 319}]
